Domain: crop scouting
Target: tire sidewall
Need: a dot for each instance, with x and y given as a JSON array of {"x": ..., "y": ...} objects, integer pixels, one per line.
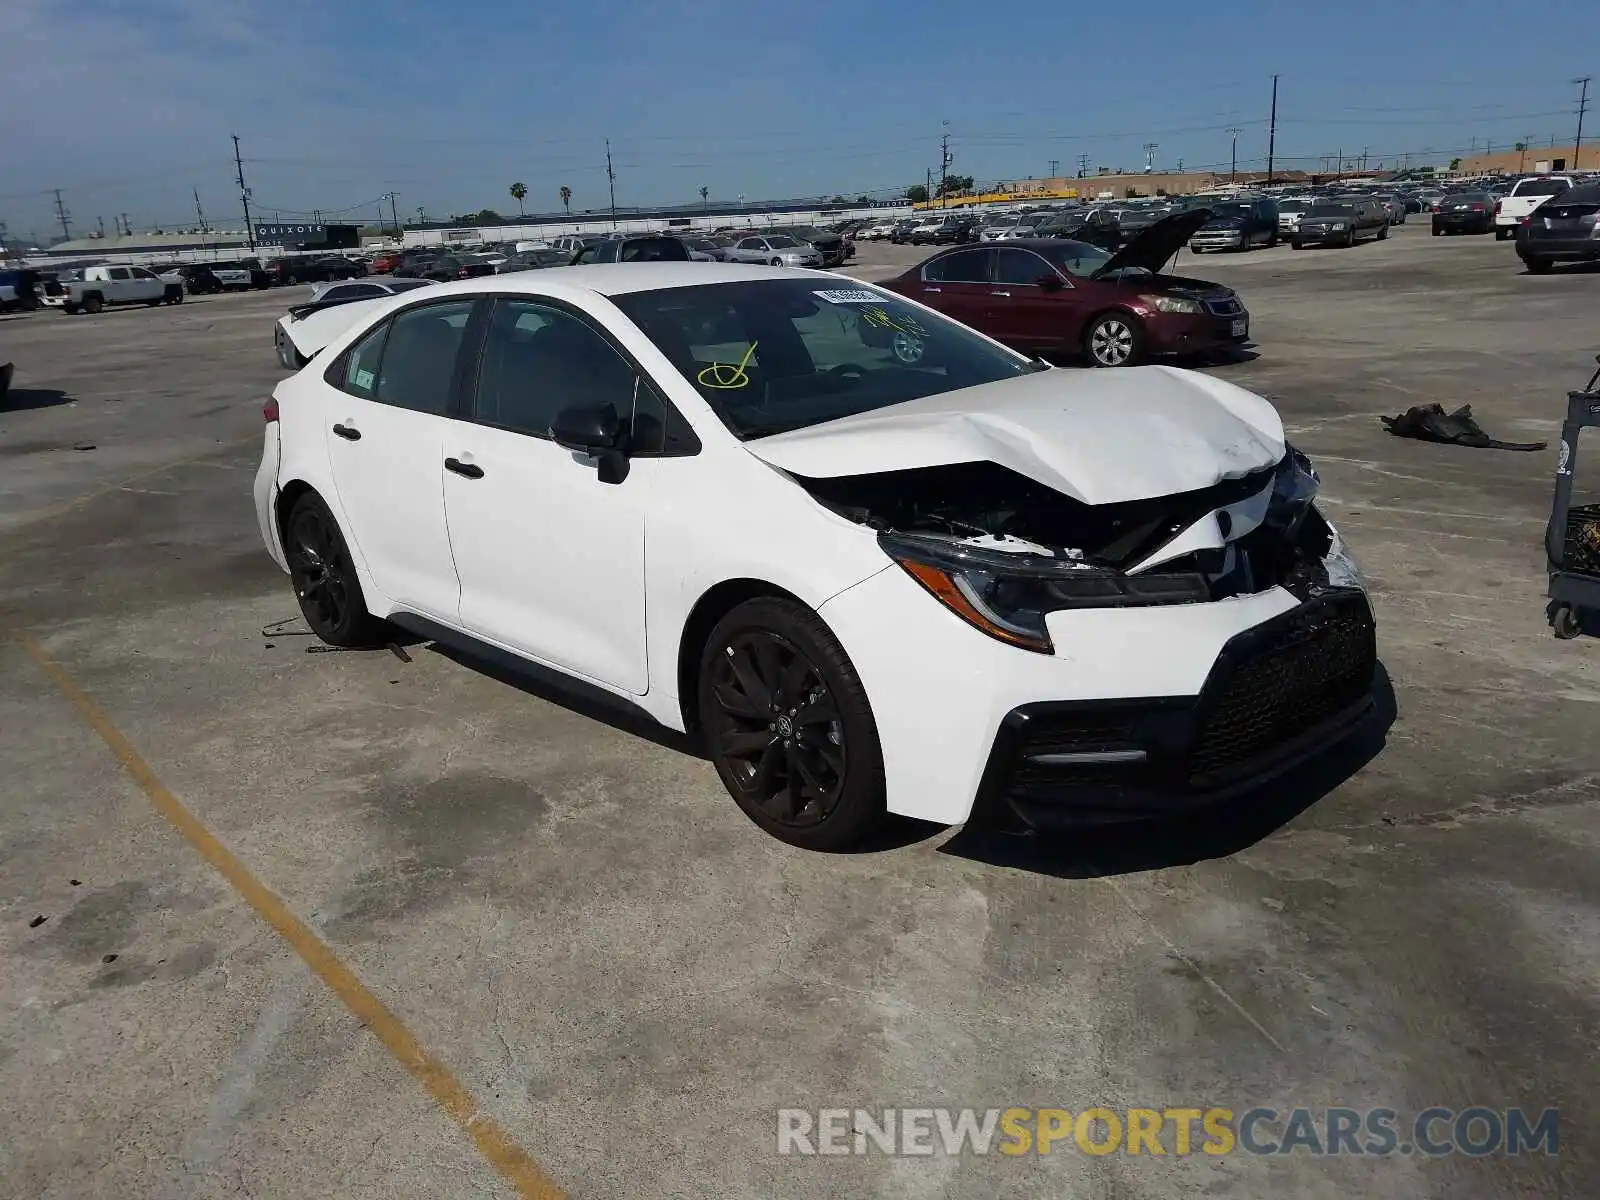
[
  {"x": 359, "y": 628},
  {"x": 861, "y": 804},
  {"x": 1135, "y": 353}
]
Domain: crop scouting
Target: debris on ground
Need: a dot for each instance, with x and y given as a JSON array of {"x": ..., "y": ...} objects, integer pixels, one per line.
[
  {"x": 1430, "y": 423},
  {"x": 37, "y": 921}
]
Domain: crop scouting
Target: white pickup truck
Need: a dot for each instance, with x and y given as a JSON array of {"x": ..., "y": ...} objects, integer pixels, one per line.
[
  {"x": 1525, "y": 196},
  {"x": 93, "y": 288}
]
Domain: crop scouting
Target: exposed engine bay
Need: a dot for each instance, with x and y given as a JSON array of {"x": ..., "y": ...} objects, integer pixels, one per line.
[{"x": 1238, "y": 537}]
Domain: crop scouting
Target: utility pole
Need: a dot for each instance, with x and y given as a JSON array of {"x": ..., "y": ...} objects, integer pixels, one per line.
[
  {"x": 1583, "y": 105},
  {"x": 1233, "y": 168},
  {"x": 944, "y": 161},
  {"x": 64, "y": 217},
  {"x": 1150, "y": 149},
  {"x": 1055, "y": 163},
  {"x": 200, "y": 212},
  {"x": 422, "y": 216},
  {"x": 927, "y": 185},
  {"x": 244, "y": 194},
  {"x": 1272, "y": 130},
  {"x": 100, "y": 226},
  {"x": 127, "y": 229},
  {"x": 1364, "y": 150},
  {"x": 1083, "y": 166},
  {"x": 611, "y": 182},
  {"x": 395, "y": 216}
]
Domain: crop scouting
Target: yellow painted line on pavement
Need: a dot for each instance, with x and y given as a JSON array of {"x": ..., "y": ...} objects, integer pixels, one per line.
[{"x": 509, "y": 1159}]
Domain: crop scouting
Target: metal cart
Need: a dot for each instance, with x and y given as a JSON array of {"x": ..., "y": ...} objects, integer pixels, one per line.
[{"x": 1572, "y": 539}]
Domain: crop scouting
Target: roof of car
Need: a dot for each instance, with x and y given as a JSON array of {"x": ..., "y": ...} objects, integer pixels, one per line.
[{"x": 619, "y": 279}]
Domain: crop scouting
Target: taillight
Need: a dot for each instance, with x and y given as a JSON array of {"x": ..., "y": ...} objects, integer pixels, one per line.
[
  {"x": 269, "y": 410},
  {"x": 463, "y": 273},
  {"x": 1497, "y": 207},
  {"x": 1477, "y": 208}
]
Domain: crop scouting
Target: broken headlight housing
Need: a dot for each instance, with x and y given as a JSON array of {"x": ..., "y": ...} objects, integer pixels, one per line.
[{"x": 1007, "y": 596}]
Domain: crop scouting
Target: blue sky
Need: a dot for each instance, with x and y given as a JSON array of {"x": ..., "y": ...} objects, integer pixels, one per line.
[{"x": 127, "y": 104}]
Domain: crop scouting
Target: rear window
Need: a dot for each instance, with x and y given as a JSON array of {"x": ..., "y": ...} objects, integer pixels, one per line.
[
  {"x": 1540, "y": 187},
  {"x": 1331, "y": 210}
]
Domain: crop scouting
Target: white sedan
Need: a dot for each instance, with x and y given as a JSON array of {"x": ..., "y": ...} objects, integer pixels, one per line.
[
  {"x": 306, "y": 328},
  {"x": 874, "y": 560}
]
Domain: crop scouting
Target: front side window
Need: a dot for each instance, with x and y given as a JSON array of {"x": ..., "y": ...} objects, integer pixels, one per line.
[
  {"x": 119, "y": 273},
  {"x": 781, "y": 242},
  {"x": 778, "y": 354},
  {"x": 1020, "y": 267},
  {"x": 964, "y": 266},
  {"x": 539, "y": 359},
  {"x": 419, "y": 357}
]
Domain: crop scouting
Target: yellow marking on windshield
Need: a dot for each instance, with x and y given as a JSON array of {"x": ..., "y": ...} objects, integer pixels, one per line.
[
  {"x": 880, "y": 316},
  {"x": 726, "y": 376}
]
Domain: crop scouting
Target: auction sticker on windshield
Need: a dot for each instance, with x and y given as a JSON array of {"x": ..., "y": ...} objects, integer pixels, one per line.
[{"x": 850, "y": 296}]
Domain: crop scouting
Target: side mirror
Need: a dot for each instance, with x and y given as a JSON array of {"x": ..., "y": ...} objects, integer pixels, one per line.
[
  {"x": 596, "y": 432},
  {"x": 1050, "y": 283}
]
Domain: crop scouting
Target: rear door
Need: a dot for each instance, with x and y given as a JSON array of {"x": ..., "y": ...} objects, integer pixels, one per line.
[
  {"x": 387, "y": 410},
  {"x": 1021, "y": 312},
  {"x": 957, "y": 284}
]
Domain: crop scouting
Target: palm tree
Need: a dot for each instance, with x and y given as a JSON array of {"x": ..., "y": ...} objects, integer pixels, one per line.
[
  {"x": 518, "y": 192},
  {"x": 566, "y": 199},
  {"x": 705, "y": 193}
]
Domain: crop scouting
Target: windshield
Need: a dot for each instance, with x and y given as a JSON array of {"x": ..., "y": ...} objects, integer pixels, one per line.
[
  {"x": 1330, "y": 210},
  {"x": 1076, "y": 258},
  {"x": 780, "y": 354},
  {"x": 1235, "y": 208},
  {"x": 781, "y": 243},
  {"x": 1293, "y": 205}
]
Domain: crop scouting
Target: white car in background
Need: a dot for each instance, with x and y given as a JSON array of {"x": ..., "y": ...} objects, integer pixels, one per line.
[
  {"x": 1290, "y": 210},
  {"x": 333, "y": 307},
  {"x": 1525, "y": 196},
  {"x": 873, "y": 560}
]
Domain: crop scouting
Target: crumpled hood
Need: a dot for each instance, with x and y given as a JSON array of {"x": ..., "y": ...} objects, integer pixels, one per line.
[{"x": 1102, "y": 437}]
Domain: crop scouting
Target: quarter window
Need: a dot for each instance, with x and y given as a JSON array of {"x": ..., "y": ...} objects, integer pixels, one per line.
[
  {"x": 419, "y": 356},
  {"x": 359, "y": 374}
]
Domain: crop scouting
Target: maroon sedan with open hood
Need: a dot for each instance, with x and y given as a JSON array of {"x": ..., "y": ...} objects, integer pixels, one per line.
[{"x": 1053, "y": 295}]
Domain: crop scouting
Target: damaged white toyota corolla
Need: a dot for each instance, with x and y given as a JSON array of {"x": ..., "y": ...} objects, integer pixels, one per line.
[{"x": 878, "y": 562}]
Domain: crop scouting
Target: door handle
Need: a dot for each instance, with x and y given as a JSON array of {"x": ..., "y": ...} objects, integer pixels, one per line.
[
  {"x": 348, "y": 432},
  {"x": 999, "y": 293},
  {"x": 468, "y": 470},
  {"x": 929, "y": 289}
]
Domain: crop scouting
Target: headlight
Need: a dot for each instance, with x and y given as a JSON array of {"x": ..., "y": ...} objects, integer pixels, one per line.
[
  {"x": 1007, "y": 595},
  {"x": 1172, "y": 304}
]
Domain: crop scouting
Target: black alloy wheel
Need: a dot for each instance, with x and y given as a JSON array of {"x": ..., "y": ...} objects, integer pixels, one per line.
[
  {"x": 788, "y": 725},
  {"x": 324, "y": 578}
]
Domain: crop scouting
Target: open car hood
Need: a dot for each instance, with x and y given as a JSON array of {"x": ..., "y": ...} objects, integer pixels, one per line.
[
  {"x": 1154, "y": 247},
  {"x": 1100, "y": 437}
]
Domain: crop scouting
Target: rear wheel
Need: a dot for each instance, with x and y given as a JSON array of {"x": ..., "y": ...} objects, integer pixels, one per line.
[
  {"x": 1113, "y": 340},
  {"x": 777, "y": 262},
  {"x": 789, "y": 727},
  {"x": 1500, "y": 232},
  {"x": 1435, "y": 231},
  {"x": 324, "y": 577},
  {"x": 1383, "y": 233},
  {"x": 93, "y": 304},
  {"x": 1537, "y": 266}
]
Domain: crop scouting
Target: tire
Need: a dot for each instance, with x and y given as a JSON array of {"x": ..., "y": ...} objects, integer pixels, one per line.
[
  {"x": 157, "y": 301},
  {"x": 324, "y": 578},
  {"x": 820, "y": 787},
  {"x": 176, "y": 297},
  {"x": 1383, "y": 234},
  {"x": 1296, "y": 244},
  {"x": 777, "y": 262},
  {"x": 1538, "y": 266},
  {"x": 1499, "y": 233},
  {"x": 1113, "y": 339},
  {"x": 70, "y": 309},
  {"x": 1436, "y": 231},
  {"x": 93, "y": 303}
]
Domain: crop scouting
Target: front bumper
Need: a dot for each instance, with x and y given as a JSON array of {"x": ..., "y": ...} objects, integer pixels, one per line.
[
  {"x": 1318, "y": 233},
  {"x": 1192, "y": 333},
  {"x": 1217, "y": 239},
  {"x": 1279, "y": 693},
  {"x": 942, "y": 692}
]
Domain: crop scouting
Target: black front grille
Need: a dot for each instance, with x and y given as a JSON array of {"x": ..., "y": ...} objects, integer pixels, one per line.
[
  {"x": 1228, "y": 306},
  {"x": 1276, "y": 683}
]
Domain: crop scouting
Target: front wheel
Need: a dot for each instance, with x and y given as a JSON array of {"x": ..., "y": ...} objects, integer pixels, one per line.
[
  {"x": 1114, "y": 340},
  {"x": 777, "y": 262},
  {"x": 789, "y": 727},
  {"x": 324, "y": 577},
  {"x": 1537, "y": 266},
  {"x": 1383, "y": 234},
  {"x": 1435, "y": 231},
  {"x": 93, "y": 305}
]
